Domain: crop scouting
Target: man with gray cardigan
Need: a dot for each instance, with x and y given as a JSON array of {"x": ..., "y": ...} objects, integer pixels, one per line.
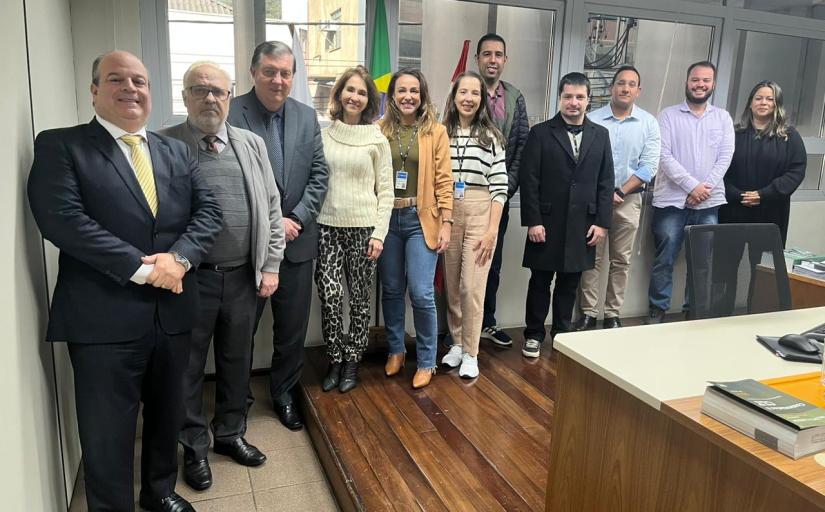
[{"x": 242, "y": 266}]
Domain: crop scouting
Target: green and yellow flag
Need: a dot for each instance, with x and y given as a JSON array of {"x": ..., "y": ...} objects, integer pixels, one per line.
[{"x": 380, "y": 67}]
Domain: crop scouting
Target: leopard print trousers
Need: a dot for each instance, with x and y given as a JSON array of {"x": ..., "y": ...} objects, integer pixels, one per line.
[{"x": 342, "y": 252}]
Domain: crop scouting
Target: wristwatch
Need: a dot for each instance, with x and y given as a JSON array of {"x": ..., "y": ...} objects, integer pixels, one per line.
[
  {"x": 619, "y": 193},
  {"x": 182, "y": 260}
]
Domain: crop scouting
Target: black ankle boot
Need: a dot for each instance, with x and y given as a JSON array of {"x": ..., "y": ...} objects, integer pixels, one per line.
[
  {"x": 349, "y": 376},
  {"x": 333, "y": 376}
]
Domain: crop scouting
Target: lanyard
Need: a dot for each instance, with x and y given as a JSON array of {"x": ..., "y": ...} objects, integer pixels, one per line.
[
  {"x": 403, "y": 154},
  {"x": 460, "y": 156}
]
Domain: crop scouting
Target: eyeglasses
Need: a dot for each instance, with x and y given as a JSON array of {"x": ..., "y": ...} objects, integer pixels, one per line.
[
  {"x": 270, "y": 73},
  {"x": 201, "y": 92}
]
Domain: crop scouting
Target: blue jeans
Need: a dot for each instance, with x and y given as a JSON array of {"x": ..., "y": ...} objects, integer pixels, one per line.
[
  {"x": 668, "y": 232},
  {"x": 407, "y": 263}
]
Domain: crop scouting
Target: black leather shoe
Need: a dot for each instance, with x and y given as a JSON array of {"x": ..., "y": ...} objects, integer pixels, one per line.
[
  {"x": 349, "y": 376},
  {"x": 288, "y": 414},
  {"x": 332, "y": 378},
  {"x": 241, "y": 452},
  {"x": 587, "y": 322},
  {"x": 196, "y": 474},
  {"x": 611, "y": 322},
  {"x": 171, "y": 503}
]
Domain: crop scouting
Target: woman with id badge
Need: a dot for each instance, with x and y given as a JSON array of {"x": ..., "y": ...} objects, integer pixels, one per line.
[
  {"x": 353, "y": 221},
  {"x": 480, "y": 192},
  {"x": 420, "y": 221}
]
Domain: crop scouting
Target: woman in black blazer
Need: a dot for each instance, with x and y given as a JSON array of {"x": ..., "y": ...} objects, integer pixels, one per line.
[{"x": 768, "y": 164}]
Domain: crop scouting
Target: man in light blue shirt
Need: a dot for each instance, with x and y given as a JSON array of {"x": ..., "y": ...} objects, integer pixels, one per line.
[
  {"x": 635, "y": 141},
  {"x": 697, "y": 148}
]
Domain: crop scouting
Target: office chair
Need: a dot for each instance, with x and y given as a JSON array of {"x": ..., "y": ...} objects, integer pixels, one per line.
[{"x": 716, "y": 268}]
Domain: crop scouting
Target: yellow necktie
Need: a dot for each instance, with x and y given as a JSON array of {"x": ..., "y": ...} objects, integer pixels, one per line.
[{"x": 143, "y": 171}]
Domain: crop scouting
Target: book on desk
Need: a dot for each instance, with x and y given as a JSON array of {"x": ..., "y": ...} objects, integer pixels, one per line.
[{"x": 776, "y": 419}]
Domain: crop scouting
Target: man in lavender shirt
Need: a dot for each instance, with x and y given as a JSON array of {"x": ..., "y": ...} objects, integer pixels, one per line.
[{"x": 697, "y": 147}]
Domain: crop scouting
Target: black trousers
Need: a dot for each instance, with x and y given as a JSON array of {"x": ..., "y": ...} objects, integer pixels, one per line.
[
  {"x": 494, "y": 276},
  {"x": 226, "y": 314},
  {"x": 290, "y": 317},
  {"x": 538, "y": 302},
  {"x": 110, "y": 380}
]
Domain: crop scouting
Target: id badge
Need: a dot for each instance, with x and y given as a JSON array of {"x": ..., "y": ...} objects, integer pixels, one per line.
[
  {"x": 459, "y": 190},
  {"x": 401, "y": 180}
]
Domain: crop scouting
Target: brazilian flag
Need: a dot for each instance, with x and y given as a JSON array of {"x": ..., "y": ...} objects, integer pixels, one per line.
[{"x": 380, "y": 67}]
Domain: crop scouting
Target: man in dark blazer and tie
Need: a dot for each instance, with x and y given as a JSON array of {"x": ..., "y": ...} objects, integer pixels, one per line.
[
  {"x": 293, "y": 141},
  {"x": 131, "y": 216},
  {"x": 566, "y": 178}
]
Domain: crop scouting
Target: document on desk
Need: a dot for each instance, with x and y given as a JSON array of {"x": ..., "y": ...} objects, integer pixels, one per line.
[{"x": 776, "y": 419}]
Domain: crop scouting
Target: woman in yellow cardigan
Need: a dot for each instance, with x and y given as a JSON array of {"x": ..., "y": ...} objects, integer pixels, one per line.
[{"x": 421, "y": 219}]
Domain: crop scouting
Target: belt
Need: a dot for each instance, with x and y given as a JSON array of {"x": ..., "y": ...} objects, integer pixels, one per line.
[
  {"x": 403, "y": 202},
  {"x": 220, "y": 268}
]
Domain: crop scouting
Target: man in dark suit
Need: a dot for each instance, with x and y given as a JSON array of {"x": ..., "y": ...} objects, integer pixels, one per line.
[
  {"x": 566, "y": 180},
  {"x": 131, "y": 216},
  {"x": 293, "y": 141}
]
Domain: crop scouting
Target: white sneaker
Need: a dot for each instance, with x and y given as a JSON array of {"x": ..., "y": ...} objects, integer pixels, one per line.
[
  {"x": 469, "y": 367},
  {"x": 453, "y": 357},
  {"x": 531, "y": 348}
]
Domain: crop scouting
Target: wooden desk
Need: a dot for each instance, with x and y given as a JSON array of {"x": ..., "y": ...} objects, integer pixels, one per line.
[
  {"x": 628, "y": 434},
  {"x": 806, "y": 292}
]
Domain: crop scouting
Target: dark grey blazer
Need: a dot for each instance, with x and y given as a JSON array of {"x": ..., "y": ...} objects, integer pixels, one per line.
[{"x": 303, "y": 181}]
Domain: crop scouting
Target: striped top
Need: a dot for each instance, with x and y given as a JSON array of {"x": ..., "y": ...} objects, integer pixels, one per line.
[{"x": 478, "y": 166}]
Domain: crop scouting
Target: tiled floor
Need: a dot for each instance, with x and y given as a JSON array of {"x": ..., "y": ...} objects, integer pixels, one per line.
[{"x": 290, "y": 480}]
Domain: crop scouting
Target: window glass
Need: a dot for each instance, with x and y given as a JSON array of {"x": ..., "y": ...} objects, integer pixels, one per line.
[
  {"x": 813, "y": 172},
  {"x": 199, "y": 30},
  {"x": 331, "y": 33},
  {"x": 797, "y": 64},
  {"x": 430, "y": 38},
  {"x": 804, "y": 8},
  {"x": 660, "y": 50}
]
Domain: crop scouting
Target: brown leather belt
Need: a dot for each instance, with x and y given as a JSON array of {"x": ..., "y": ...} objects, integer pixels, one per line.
[{"x": 403, "y": 202}]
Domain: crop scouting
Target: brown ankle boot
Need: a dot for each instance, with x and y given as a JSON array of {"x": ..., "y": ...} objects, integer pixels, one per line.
[
  {"x": 422, "y": 378},
  {"x": 394, "y": 364}
]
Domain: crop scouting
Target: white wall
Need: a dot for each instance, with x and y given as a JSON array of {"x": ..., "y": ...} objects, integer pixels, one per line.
[{"x": 32, "y": 470}]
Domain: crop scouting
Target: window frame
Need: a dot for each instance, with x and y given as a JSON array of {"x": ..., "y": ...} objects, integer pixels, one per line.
[{"x": 567, "y": 52}]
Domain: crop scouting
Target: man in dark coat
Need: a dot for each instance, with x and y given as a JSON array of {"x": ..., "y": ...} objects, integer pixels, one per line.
[{"x": 566, "y": 179}]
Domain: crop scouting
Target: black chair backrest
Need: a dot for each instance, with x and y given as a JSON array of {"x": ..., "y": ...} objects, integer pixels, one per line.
[{"x": 714, "y": 255}]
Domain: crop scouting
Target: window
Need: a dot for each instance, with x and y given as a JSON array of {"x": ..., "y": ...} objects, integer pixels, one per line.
[
  {"x": 797, "y": 64},
  {"x": 333, "y": 31},
  {"x": 410, "y": 18},
  {"x": 660, "y": 50},
  {"x": 814, "y": 9},
  {"x": 332, "y": 37},
  {"x": 429, "y": 38},
  {"x": 199, "y": 30}
]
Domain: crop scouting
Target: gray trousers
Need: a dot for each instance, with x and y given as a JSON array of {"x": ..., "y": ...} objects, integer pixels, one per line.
[{"x": 226, "y": 314}]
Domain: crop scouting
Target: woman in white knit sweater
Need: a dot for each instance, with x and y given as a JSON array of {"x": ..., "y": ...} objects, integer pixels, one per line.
[
  {"x": 353, "y": 221},
  {"x": 480, "y": 192}
]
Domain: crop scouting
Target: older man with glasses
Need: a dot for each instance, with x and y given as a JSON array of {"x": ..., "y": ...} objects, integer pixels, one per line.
[{"x": 242, "y": 266}]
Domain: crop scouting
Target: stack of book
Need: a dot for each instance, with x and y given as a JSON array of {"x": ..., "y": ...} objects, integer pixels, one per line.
[
  {"x": 793, "y": 257},
  {"x": 778, "y": 420},
  {"x": 810, "y": 268}
]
